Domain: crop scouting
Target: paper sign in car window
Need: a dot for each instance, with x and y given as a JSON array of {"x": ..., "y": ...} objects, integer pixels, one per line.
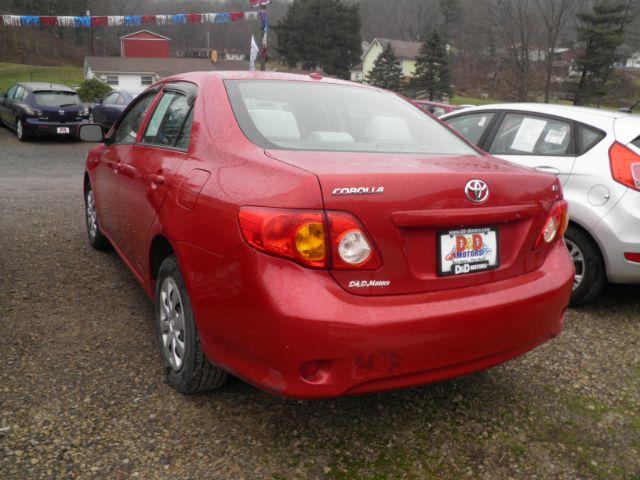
[
  {"x": 528, "y": 135},
  {"x": 556, "y": 136},
  {"x": 482, "y": 121}
]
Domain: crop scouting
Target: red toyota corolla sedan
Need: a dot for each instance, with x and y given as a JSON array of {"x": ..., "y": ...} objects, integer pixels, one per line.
[{"x": 319, "y": 238}]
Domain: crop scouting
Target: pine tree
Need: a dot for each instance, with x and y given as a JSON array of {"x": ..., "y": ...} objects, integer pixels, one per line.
[
  {"x": 386, "y": 71},
  {"x": 601, "y": 30},
  {"x": 432, "y": 76},
  {"x": 321, "y": 33}
]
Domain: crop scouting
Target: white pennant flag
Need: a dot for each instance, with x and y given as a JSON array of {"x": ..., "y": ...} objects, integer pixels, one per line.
[{"x": 253, "y": 55}]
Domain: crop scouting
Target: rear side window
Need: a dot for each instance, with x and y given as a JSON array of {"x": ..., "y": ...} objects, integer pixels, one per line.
[
  {"x": 471, "y": 126},
  {"x": 521, "y": 134},
  {"x": 185, "y": 133},
  {"x": 167, "y": 119},
  {"x": 588, "y": 138}
]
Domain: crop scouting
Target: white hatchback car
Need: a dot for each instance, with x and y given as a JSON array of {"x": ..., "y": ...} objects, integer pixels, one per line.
[{"x": 596, "y": 155}]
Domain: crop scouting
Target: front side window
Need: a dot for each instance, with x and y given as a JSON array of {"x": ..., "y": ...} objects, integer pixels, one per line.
[
  {"x": 110, "y": 99},
  {"x": 127, "y": 130},
  {"x": 51, "y": 98},
  {"x": 167, "y": 119},
  {"x": 471, "y": 126},
  {"x": 327, "y": 117},
  {"x": 521, "y": 134}
]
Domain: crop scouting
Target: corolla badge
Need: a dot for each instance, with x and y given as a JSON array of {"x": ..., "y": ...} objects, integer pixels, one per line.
[
  {"x": 357, "y": 190},
  {"x": 477, "y": 191}
]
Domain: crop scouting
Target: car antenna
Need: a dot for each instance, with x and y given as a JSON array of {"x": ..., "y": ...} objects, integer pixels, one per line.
[{"x": 629, "y": 109}]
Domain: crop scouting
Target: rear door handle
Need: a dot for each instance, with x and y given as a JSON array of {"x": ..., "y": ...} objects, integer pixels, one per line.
[
  {"x": 548, "y": 169},
  {"x": 156, "y": 178}
]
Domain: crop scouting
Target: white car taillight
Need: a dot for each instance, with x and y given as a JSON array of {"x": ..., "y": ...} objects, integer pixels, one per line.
[{"x": 353, "y": 247}]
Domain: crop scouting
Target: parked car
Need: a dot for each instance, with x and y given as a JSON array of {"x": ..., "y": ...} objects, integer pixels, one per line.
[
  {"x": 436, "y": 108},
  {"x": 319, "y": 238},
  {"x": 34, "y": 108},
  {"x": 107, "y": 110},
  {"x": 596, "y": 156}
]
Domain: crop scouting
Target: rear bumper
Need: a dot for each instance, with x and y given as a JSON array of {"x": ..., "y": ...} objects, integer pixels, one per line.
[
  {"x": 291, "y": 316},
  {"x": 33, "y": 126},
  {"x": 619, "y": 232}
]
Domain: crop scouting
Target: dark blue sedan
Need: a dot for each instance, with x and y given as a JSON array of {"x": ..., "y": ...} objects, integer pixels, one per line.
[
  {"x": 107, "y": 110},
  {"x": 35, "y": 108}
]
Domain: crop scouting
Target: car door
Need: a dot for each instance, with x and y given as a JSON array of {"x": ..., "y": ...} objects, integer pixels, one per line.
[
  {"x": 98, "y": 111},
  {"x": 109, "y": 169},
  {"x": 114, "y": 109},
  {"x": 538, "y": 141},
  {"x": 148, "y": 169},
  {"x": 5, "y": 104},
  {"x": 14, "y": 105}
]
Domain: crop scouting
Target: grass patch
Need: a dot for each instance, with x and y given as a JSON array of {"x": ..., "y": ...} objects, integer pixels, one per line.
[{"x": 11, "y": 73}]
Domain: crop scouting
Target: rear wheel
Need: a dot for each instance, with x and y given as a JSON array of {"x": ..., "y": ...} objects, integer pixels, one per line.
[
  {"x": 590, "y": 275},
  {"x": 186, "y": 368},
  {"x": 20, "y": 133},
  {"x": 96, "y": 238}
]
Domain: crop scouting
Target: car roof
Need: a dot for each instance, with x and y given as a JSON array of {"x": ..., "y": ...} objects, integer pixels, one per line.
[
  {"x": 312, "y": 77},
  {"x": 37, "y": 86},
  {"x": 588, "y": 115}
]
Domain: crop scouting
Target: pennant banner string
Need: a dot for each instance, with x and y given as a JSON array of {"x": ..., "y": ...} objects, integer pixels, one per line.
[{"x": 86, "y": 21}]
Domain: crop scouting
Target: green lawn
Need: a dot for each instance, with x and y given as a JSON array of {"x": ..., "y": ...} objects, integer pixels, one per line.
[{"x": 13, "y": 72}]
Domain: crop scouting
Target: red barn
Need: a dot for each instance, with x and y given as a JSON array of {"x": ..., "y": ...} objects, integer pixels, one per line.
[{"x": 144, "y": 44}]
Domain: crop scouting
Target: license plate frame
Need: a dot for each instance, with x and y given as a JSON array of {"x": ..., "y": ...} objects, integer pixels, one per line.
[
  {"x": 476, "y": 263},
  {"x": 63, "y": 130}
]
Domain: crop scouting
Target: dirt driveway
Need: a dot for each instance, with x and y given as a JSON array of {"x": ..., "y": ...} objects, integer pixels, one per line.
[{"x": 82, "y": 395}]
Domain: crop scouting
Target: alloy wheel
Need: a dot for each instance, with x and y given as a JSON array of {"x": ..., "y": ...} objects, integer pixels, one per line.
[
  {"x": 578, "y": 262},
  {"x": 172, "y": 324},
  {"x": 92, "y": 216}
]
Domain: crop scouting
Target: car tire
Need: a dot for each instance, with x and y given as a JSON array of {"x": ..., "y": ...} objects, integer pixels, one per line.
[
  {"x": 20, "y": 133},
  {"x": 96, "y": 239},
  {"x": 590, "y": 272},
  {"x": 186, "y": 368}
]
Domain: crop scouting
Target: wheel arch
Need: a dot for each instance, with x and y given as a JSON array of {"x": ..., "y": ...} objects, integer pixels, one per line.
[
  {"x": 159, "y": 249},
  {"x": 594, "y": 240}
]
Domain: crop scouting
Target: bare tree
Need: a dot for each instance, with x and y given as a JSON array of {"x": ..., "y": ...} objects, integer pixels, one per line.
[
  {"x": 516, "y": 24},
  {"x": 554, "y": 15}
]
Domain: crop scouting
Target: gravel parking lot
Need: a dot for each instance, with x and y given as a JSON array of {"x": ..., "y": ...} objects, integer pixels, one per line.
[{"x": 82, "y": 393}]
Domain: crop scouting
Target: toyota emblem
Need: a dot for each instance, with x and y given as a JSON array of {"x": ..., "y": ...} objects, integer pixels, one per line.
[
  {"x": 477, "y": 191},
  {"x": 61, "y": 112}
]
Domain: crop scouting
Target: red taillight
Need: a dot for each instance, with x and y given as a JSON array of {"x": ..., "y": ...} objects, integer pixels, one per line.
[
  {"x": 555, "y": 226},
  {"x": 632, "y": 256},
  {"x": 303, "y": 236},
  {"x": 295, "y": 234},
  {"x": 625, "y": 166}
]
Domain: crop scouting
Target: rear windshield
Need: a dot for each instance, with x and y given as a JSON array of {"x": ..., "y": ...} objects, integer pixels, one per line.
[
  {"x": 48, "y": 98},
  {"x": 294, "y": 115}
]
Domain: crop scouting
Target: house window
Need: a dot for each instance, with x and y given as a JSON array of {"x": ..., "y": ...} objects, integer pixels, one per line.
[
  {"x": 146, "y": 80},
  {"x": 112, "y": 80}
]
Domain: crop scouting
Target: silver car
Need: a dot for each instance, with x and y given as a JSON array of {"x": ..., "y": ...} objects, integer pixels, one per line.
[{"x": 596, "y": 155}]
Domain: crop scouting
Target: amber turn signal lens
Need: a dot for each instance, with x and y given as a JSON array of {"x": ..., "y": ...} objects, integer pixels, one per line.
[{"x": 310, "y": 241}]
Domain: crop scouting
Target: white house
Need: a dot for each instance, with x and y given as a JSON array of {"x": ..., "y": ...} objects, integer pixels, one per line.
[
  {"x": 356, "y": 73},
  {"x": 407, "y": 52},
  {"x": 136, "y": 74},
  {"x": 633, "y": 61}
]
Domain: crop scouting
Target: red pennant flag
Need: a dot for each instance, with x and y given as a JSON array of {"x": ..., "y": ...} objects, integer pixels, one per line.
[{"x": 97, "y": 21}]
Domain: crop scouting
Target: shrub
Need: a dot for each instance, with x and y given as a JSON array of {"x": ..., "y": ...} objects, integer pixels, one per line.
[{"x": 92, "y": 90}]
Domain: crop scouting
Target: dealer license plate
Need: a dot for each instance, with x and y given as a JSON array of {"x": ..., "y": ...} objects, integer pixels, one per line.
[
  {"x": 468, "y": 250},
  {"x": 62, "y": 130}
]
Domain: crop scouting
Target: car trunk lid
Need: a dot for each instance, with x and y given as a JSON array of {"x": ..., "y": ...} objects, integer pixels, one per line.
[{"x": 405, "y": 202}]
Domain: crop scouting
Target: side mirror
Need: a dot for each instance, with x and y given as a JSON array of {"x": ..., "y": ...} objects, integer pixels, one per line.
[{"x": 91, "y": 132}]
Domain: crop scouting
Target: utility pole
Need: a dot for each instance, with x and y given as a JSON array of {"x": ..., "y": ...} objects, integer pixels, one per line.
[{"x": 90, "y": 32}]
